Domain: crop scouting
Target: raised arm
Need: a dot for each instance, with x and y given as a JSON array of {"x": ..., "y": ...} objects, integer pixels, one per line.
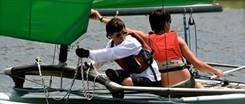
[
  {"x": 97, "y": 16},
  {"x": 197, "y": 63}
]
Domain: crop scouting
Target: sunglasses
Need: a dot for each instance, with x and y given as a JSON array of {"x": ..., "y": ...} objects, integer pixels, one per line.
[{"x": 117, "y": 35}]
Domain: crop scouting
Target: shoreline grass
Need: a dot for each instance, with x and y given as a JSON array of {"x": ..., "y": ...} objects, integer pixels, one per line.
[{"x": 234, "y": 4}]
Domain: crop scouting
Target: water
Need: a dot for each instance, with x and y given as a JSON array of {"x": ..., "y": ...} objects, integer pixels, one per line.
[{"x": 221, "y": 39}]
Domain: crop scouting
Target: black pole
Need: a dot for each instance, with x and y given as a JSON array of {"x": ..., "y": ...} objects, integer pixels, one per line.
[
  {"x": 63, "y": 53},
  {"x": 172, "y": 10},
  {"x": 186, "y": 35}
]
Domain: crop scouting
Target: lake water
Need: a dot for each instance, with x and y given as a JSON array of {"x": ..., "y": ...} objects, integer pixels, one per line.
[{"x": 221, "y": 39}]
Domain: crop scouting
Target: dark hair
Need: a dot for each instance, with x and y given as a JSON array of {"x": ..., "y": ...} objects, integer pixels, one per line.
[
  {"x": 114, "y": 25},
  {"x": 157, "y": 20}
]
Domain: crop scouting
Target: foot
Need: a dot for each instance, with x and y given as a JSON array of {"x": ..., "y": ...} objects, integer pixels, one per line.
[{"x": 113, "y": 75}]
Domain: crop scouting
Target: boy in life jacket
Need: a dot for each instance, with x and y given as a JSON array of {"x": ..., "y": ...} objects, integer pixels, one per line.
[
  {"x": 169, "y": 52},
  {"x": 138, "y": 67}
]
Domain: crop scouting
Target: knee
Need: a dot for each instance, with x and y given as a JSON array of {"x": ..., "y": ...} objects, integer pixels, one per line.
[{"x": 127, "y": 81}]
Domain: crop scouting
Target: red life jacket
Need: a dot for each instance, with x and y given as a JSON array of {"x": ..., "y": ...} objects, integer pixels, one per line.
[
  {"x": 137, "y": 63},
  {"x": 166, "y": 47}
]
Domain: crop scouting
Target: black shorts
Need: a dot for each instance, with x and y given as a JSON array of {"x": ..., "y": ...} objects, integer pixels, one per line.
[
  {"x": 142, "y": 81},
  {"x": 188, "y": 84},
  {"x": 119, "y": 75}
]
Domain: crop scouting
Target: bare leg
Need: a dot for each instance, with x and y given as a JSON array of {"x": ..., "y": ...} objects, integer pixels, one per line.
[
  {"x": 127, "y": 81},
  {"x": 199, "y": 85}
]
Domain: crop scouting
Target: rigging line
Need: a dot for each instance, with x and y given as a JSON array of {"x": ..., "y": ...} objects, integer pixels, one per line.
[
  {"x": 185, "y": 31},
  {"x": 191, "y": 22},
  {"x": 55, "y": 50},
  {"x": 32, "y": 81},
  {"x": 85, "y": 85},
  {"x": 97, "y": 75},
  {"x": 46, "y": 93},
  {"x": 90, "y": 94},
  {"x": 45, "y": 86},
  {"x": 195, "y": 29},
  {"x": 51, "y": 77},
  {"x": 73, "y": 81},
  {"x": 188, "y": 35},
  {"x": 79, "y": 64},
  {"x": 61, "y": 80},
  {"x": 69, "y": 90},
  {"x": 218, "y": 79},
  {"x": 185, "y": 27}
]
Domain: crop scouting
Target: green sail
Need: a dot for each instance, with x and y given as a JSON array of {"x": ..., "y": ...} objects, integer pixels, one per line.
[
  {"x": 50, "y": 21},
  {"x": 62, "y": 21}
]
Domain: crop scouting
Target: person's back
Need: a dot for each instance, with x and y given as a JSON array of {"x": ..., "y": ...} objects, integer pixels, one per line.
[
  {"x": 168, "y": 46},
  {"x": 170, "y": 61},
  {"x": 169, "y": 52}
]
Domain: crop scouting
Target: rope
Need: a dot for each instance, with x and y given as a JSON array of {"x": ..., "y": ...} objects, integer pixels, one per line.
[
  {"x": 61, "y": 80},
  {"x": 51, "y": 77},
  {"x": 97, "y": 75},
  {"x": 43, "y": 83},
  {"x": 47, "y": 87},
  {"x": 69, "y": 91},
  {"x": 190, "y": 23},
  {"x": 217, "y": 79},
  {"x": 85, "y": 83},
  {"x": 87, "y": 94}
]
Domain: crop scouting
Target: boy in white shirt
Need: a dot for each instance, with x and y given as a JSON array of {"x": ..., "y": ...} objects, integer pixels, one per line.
[{"x": 128, "y": 51}]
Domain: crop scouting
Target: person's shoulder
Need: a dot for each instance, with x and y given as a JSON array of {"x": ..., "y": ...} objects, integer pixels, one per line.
[
  {"x": 136, "y": 32},
  {"x": 181, "y": 40},
  {"x": 131, "y": 40},
  {"x": 173, "y": 32}
]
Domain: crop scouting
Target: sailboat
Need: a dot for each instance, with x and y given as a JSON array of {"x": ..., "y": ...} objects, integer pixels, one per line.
[{"x": 64, "y": 21}]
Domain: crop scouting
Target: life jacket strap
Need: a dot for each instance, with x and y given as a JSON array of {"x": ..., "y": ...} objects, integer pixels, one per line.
[{"x": 171, "y": 65}]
